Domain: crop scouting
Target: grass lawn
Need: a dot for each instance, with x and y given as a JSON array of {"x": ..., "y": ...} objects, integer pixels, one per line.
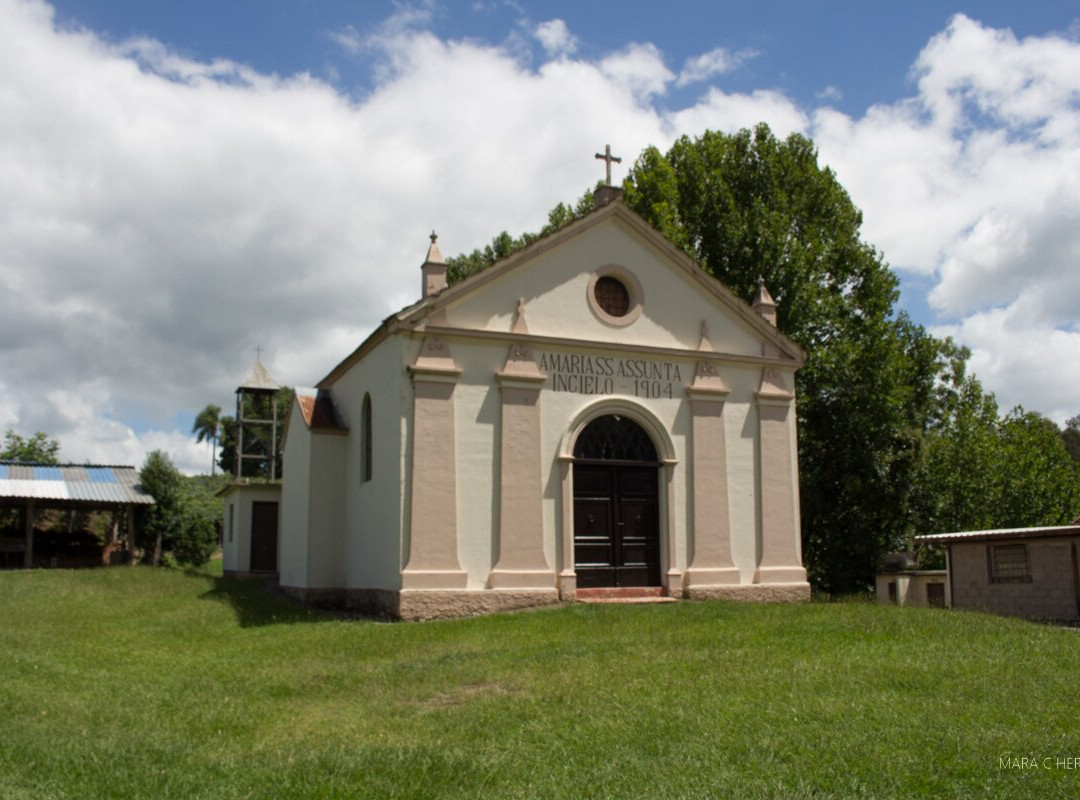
[{"x": 143, "y": 683}]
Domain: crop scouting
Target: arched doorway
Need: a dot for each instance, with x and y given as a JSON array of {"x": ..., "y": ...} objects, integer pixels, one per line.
[{"x": 616, "y": 505}]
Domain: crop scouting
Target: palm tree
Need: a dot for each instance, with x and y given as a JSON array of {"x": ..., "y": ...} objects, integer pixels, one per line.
[{"x": 207, "y": 427}]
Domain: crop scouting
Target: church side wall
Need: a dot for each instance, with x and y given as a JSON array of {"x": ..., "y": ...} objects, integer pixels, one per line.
[
  {"x": 326, "y": 563},
  {"x": 295, "y": 503},
  {"x": 372, "y": 509}
]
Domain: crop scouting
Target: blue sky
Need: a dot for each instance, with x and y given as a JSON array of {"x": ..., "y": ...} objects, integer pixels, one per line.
[
  {"x": 186, "y": 181},
  {"x": 863, "y": 49}
]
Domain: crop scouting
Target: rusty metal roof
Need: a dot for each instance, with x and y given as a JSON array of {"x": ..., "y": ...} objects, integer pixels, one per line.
[
  {"x": 80, "y": 483},
  {"x": 1001, "y": 533},
  {"x": 318, "y": 410}
]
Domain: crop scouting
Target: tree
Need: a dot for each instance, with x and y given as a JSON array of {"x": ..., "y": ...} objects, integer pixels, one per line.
[
  {"x": 462, "y": 266},
  {"x": 183, "y": 520},
  {"x": 160, "y": 479},
  {"x": 1071, "y": 437},
  {"x": 1040, "y": 480},
  {"x": 207, "y": 427},
  {"x": 747, "y": 205},
  {"x": 36, "y": 449}
]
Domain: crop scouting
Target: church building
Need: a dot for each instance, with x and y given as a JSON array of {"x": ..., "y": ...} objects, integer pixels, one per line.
[{"x": 593, "y": 415}]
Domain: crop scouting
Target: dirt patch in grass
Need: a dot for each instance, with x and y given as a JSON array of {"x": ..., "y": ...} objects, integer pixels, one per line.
[{"x": 462, "y": 695}]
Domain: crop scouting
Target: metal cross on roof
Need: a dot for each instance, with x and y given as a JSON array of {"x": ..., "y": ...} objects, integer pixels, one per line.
[{"x": 607, "y": 158}]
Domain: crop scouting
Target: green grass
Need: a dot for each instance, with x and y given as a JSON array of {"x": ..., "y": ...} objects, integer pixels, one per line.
[{"x": 142, "y": 683}]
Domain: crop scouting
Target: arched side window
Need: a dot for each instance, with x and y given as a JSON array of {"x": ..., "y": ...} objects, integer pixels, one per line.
[{"x": 365, "y": 436}]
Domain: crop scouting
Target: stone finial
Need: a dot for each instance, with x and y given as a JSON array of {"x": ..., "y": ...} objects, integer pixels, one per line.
[
  {"x": 433, "y": 269},
  {"x": 519, "y": 325},
  {"x": 763, "y": 303}
]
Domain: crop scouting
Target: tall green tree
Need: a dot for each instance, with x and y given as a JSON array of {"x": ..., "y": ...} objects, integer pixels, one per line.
[
  {"x": 1040, "y": 480},
  {"x": 36, "y": 449},
  {"x": 184, "y": 518},
  {"x": 207, "y": 428},
  {"x": 1070, "y": 435},
  {"x": 748, "y": 204},
  {"x": 161, "y": 479}
]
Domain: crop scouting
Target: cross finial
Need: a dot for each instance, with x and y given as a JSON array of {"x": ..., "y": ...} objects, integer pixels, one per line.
[
  {"x": 258, "y": 353},
  {"x": 434, "y": 236},
  {"x": 607, "y": 158}
]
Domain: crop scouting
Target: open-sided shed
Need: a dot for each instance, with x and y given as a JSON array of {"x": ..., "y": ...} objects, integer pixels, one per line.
[{"x": 85, "y": 487}]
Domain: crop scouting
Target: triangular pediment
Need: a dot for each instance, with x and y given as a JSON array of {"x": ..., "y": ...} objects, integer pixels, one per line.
[{"x": 553, "y": 283}]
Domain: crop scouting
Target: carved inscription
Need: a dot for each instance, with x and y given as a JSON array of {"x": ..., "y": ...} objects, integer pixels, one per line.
[{"x": 590, "y": 374}]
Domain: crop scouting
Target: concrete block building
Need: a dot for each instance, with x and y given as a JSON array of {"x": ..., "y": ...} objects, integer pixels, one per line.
[{"x": 1024, "y": 572}]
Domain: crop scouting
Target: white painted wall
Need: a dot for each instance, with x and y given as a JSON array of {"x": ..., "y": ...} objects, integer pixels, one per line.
[
  {"x": 293, "y": 519},
  {"x": 372, "y": 511},
  {"x": 554, "y": 288},
  {"x": 230, "y": 556},
  {"x": 236, "y": 548}
]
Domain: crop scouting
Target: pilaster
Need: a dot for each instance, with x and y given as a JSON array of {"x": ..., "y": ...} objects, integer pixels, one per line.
[
  {"x": 522, "y": 563},
  {"x": 780, "y": 561},
  {"x": 711, "y": 563},
  {"x": 433, "y": 542}
]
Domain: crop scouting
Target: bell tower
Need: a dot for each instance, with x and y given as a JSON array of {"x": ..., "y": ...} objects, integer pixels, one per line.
[{"x": 257, "y": 424}]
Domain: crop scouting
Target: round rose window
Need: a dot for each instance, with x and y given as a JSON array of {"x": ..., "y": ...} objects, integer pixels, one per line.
[{"x": 611, "y": 295}]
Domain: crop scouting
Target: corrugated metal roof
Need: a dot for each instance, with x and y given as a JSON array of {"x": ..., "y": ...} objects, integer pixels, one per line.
[
  {"x": 81, "y": 483},
  {"x": 1001, "y": 533}
]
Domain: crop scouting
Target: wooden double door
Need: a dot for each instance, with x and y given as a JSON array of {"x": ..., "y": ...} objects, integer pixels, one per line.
[{"x": 616, "y": 525}]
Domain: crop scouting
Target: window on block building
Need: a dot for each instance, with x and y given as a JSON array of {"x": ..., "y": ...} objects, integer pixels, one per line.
[{"x": 1008, "y": 563}]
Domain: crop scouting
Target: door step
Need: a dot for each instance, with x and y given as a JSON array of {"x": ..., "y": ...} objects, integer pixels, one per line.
[{"x": 625, "y": 594}]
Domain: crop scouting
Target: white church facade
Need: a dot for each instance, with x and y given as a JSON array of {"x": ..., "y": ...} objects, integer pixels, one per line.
[{"x": 591, "y": 415}]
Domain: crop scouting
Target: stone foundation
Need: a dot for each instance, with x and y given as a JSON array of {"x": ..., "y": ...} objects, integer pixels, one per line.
[
  {"x": 417, "y": 604},
  {"x": 753, "y": 593}
]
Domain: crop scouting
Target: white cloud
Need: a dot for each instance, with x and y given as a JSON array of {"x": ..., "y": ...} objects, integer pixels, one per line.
[
  {"x": 348, "y": 39},
  {"x": 160, "y": 217},
  {"x": 639, "y": 68},
  {"x": 718, "y": 110},
  {"x": 556, "y": 38},
  {"x": 975, "y": 181},
  {"x": 830, "y": 94},
  {"x": 714, "y": 62}
]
